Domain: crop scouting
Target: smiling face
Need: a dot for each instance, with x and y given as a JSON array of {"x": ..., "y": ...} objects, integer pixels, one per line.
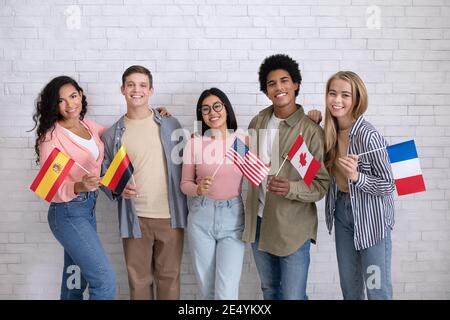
[
  {"x": 340, "y": 102},
  {"x": 281, "y": 90},
  {"x": 217, "y": 116},
  {"x": 70, "y": 102},
  {"x": 136, "y": 90}
]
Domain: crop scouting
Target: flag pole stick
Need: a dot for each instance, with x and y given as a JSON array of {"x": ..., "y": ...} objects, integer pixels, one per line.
[
  {"x": 281, "y": 166},
  {"x": 79, "y": 165},
  {"x": 217, "y": 169},
  {"x": 132, "y": 178},
  {"x": 361, "y": 154}
]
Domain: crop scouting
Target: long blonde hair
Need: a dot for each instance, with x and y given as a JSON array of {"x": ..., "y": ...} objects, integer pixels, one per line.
[{"x": 360, "y": 102}]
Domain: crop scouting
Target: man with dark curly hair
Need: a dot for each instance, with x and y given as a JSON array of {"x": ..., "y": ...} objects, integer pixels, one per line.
[{"x": 281, "y": 214}]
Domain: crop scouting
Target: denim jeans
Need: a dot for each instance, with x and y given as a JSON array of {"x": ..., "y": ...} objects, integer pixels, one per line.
[
  {"x": 282, "y": 278},
  {"x": 214, "y": 232},
  {"x": 369, "y": 268},
  {"x": 85, "y": 262}
]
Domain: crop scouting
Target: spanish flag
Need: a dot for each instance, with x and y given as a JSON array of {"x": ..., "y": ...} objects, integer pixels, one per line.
[
  {"x": 52, "y": 174},
  {"x": 119, "y": 172}
]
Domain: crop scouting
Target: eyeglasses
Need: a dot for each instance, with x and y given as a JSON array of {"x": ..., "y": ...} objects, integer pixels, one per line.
[{"x": 205, "y": 109}]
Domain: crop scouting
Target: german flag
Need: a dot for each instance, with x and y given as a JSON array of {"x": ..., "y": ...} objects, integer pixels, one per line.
[
  {"x": 52, "y": 174},
  {"x": 119, "y": 172}
]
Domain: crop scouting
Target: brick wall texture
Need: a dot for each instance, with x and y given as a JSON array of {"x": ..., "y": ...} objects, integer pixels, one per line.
[{"x": 401, "y": 48}]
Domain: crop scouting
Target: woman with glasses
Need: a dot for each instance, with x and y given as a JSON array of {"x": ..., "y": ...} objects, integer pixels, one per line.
[{"x": 216, "y": 213}]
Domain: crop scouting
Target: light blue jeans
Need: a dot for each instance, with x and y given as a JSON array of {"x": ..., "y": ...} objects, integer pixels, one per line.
[
  {"x": 214, "y": 232},
  {"x": 282, "y": 278},
  {"x": 85, "y": 262},
  {"x": 368, "y": 268}
]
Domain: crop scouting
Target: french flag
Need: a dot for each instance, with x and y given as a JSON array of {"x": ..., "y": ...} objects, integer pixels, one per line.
[{"x": 406, "y": 168}]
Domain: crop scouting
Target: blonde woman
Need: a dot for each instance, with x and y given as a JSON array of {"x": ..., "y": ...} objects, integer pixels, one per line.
[{"x": 360, "y": 198}]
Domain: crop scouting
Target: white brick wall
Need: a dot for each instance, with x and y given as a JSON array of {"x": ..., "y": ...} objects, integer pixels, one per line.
[{"x": 190, "y": 45}]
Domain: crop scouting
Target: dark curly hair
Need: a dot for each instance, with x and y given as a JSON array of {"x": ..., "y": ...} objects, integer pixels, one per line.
[
  {"x": 275, "y": 62},
  {"x": 231, "y": 118},
  {"x": 47, "y": 110}
]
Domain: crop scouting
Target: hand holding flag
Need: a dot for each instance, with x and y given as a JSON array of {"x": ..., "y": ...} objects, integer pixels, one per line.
[
  {"x": 204, "y": 185},
  {"x": 89, "y": 182},
  {"x": 278, "y": 185},
  {"x": 349, "y": 164},
  {"x": 130, "y": 191}
]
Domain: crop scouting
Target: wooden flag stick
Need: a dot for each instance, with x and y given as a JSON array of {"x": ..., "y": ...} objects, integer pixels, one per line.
[
  {"x": 281, "y": 166},
  {"x": 361, "y": 154},
  {"x": 217, "y": 169},
  {"x": 81, "y": 167},
  {"x": 132, "y": 178}
]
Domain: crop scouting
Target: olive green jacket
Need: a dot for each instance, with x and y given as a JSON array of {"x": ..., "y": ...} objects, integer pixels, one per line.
[{"x": 291, "y": 220}]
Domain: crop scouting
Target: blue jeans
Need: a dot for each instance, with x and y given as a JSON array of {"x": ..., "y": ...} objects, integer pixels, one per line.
[
  {"x": 282, "y": 278},
  {"x": 214, "y": 232},
  {"x": 85, "y": 262},
  {"x": 369, "y": 268}
]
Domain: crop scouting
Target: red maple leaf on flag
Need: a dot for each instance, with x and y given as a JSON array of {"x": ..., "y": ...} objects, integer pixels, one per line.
[{"x": 302, "y": 159}]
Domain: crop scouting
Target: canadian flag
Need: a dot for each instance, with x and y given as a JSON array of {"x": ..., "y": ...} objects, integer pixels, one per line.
[{"x": 302, "y": 160}]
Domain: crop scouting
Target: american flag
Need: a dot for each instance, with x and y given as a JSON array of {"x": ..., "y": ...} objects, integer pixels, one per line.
[{"x": 250, "y": 165}]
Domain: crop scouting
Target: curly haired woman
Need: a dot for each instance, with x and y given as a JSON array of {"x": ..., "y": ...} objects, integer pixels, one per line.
[{"x": 60, "y": 123}]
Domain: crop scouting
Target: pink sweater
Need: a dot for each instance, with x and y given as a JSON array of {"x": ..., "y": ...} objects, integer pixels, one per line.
[
  {"x": 201, "y": 157},
  {"x": 60, "y": 139}
]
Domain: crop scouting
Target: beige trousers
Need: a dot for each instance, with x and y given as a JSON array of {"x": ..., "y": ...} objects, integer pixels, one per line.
[{"x": 154, "y": 261}]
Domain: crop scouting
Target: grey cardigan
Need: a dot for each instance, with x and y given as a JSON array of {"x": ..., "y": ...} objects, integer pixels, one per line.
[{"x": 128, "y": 219}]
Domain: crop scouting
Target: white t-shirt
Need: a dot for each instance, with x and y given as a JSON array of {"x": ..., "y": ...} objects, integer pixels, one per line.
[
  {"x": 88, "y": 144},
  {"x": 266, "y": 155}
]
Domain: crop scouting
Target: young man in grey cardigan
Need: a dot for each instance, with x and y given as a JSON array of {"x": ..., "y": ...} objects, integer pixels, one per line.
[{"x": 153, "y": 211}]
